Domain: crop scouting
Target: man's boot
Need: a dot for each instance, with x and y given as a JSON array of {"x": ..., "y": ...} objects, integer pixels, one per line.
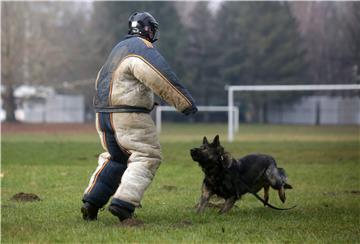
[
  {"x": 89, "y": 211},
  {"x": 121, "y": 212}
]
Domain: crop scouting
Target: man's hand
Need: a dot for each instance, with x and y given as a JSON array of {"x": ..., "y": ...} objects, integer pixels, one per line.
[{"x": 191, "y": 110}]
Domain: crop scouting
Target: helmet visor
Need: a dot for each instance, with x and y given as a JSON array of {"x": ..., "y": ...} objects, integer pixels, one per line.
[{"x": 152, "y": 32}]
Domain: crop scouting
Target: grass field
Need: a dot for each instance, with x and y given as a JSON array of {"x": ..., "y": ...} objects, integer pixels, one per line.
[{"x": 323, "y": 164}]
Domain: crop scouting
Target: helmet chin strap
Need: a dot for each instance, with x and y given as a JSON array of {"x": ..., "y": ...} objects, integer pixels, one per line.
[
  {"x": 152, "y": 33},
  {"x": 148, "y": 35}
]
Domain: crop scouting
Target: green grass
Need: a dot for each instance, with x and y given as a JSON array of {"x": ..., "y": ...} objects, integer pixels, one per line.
[{"x": 322, "y": 164}]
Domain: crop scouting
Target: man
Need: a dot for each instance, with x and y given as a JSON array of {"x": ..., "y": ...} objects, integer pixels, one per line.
[{"x": 125, "y": 87}]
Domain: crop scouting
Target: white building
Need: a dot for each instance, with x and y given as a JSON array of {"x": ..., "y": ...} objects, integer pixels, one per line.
[
  {"x": 324, "y": 110},
  {"x": 44, "y": 105}
]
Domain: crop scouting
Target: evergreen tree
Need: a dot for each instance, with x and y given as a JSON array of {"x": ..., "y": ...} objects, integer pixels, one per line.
[
  {"x": 200, "y": 56},
  {"x": 261, "y": 46},
  {"x": 348, "y": 46}
]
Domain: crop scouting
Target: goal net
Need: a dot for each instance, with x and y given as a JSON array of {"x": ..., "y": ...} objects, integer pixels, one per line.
[{"x": 272, "y": 88}]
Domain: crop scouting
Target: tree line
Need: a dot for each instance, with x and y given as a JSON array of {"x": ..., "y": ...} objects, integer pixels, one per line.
[{"x": 64, "y": 44}]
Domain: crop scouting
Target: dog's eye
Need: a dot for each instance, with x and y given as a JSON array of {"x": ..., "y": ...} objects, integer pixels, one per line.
[{"x": 203, "y": 147}]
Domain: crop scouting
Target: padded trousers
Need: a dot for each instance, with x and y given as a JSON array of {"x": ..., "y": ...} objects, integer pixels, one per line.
[{"x": 131, "y": 158}]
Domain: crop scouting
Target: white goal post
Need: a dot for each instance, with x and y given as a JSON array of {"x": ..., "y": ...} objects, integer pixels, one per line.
[
  {"x": 234, "y": 113},
  {"x": 232, "y": 89}
]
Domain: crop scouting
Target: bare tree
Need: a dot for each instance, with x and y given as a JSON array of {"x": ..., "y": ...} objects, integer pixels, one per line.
[
  {"x": 44, "y": 43},
  {"x": 57, "y": 43},
  {"x": 330, "y": 31},
  {"x": 12, "y": 49}
]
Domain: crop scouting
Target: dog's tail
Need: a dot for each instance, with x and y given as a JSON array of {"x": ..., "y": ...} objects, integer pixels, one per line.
[{"x": 269, "y": 205}]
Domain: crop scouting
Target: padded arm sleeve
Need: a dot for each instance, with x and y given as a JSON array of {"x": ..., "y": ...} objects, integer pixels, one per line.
[{"x": 152, "y": 70}]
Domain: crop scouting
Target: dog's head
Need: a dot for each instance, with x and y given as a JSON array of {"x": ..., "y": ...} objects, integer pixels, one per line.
[
  {"x": 210, "y": 155},
  {"x": 282, "y": 184},
  {"x": 284, "y": 178}
]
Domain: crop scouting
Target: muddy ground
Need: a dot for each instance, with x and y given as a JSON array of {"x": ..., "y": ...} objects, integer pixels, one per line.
[
  {"x": 25, "y": 197},
  {"x": 47, "y": 128}
]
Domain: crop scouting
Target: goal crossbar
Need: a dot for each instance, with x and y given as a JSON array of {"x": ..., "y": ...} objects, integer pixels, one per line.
[
  {"x": 234, "y": 112},
  {"x": 232, "y": 89}
]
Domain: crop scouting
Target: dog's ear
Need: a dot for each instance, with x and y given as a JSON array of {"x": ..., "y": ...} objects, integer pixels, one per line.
[
  {"x": 216, "y": 141},
  {"x": 205, "y": 141}
]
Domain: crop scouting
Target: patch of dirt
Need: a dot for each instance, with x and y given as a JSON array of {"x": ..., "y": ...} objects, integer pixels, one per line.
[
  {"x": 82, "y": 158},
  {"x": 169, "y": 188},
  {"x": 355, "y": 192},
  {"x": 47, "y": 128},
  {"x": 183, "y": 223},
  {"x": 131, "y": 222},
  {"x": 25, "y": 197}
]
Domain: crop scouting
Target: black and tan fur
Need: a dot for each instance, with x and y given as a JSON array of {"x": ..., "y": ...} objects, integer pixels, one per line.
[{"x": 229, "y": 178}]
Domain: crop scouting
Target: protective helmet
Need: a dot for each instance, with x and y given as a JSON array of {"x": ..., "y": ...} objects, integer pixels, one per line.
[{"x": 145, "y": 25}]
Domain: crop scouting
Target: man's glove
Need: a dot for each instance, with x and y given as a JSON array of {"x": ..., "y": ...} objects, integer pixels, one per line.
[{"x": 190, "y": 110}]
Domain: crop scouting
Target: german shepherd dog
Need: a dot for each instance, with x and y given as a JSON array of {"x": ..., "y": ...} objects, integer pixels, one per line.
[{"x": 229, "y": 178}]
